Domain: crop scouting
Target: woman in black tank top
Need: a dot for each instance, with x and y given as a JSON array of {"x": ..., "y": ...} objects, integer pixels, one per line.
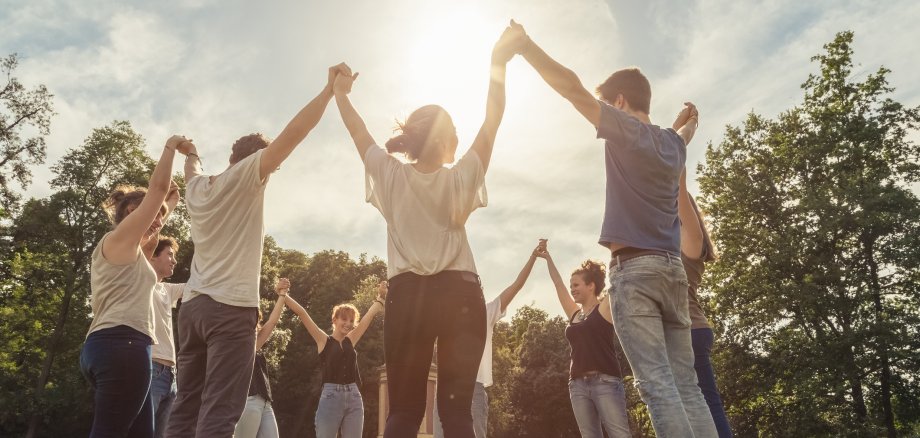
[
  {"x": 341, "y": 408},
  {"x": 595, "y": 381}
]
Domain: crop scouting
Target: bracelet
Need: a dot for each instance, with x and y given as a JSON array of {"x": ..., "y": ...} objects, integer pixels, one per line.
[
  {"x": 192, "y": 154},
  {"x": 381, "y": 303}
]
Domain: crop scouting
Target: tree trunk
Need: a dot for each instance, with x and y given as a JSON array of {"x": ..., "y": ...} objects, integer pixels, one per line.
[{"x": 885, "y": 367}]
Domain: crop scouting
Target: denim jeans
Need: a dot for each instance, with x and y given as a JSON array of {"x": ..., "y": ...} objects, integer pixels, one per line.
[
  {"x": 599, "y": 401},
  {"x": 116, "y": 363},
  {"x": 447, "y": 306},
  {"x": 162, "y": 396},
  {"x": 340, "y": 411},
  {"x": 651, "y": 317},
  {"x": 702, "y": 348},
  {"x": 479, "y": 410},
  {"x": 257, "y": 420}
]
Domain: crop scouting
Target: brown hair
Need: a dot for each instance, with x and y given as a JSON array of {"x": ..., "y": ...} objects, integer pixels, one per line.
[
  {"x": 593, "y": 272},
  {"x": 165, "y": 242},
  {"x": 248, "y": 145},
  {"x": 118, "y": 202},
  {"x": 711, "y": 253},
  {"x": 632, "y": 84},
  {"x": 344, "y": 309},
  {"x": 416, "y": 131}
]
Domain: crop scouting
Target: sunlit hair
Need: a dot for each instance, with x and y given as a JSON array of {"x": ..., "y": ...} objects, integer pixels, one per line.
[
  {"x": 418, "y": 130},
  {"x": 122, "y": 200},
  {"x": 344, "y": 311},
  {"x": 248, "y": 145},
  {"x": 165, "y": 242},
  {"x": 593, "y": 272},
  {"x": 712, "y": 254},
  {"x": 632, "y": 84}
]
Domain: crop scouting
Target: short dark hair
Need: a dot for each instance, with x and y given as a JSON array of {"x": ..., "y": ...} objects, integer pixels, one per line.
[
  {"x": 248, "y": 145},
  {"x": 632, "y": 84},
  {"x": 165, "y": 242}
]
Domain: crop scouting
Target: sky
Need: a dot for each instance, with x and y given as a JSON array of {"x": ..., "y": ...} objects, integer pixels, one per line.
[{"x": 216, "y": 70}]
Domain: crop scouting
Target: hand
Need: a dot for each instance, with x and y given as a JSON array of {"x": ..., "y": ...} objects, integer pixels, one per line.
[
  {"x": 186, "y": 147},
  {"x": 173, "y": 191},
  {"x": 541, "y": 251},
  {"x": 340, "y": 69},
  {"x": 282, "y": 287},
  {"x": 382, "y": 288},
  {"x": 510, "y": 43},
  {"x": 689, "y": 112},
  {"x": 174, "y": 141},
  {"x": 525, "y": 39}
]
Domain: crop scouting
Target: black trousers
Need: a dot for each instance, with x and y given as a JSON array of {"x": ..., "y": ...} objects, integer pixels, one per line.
[{"x": 447, "y": 307}]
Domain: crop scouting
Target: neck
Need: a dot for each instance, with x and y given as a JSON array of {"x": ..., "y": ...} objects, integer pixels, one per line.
[
  {"x": 589, "y": 303},
  {"x": 337, "y": 335},
  {"x": 427, "y": 166},
  {"x": 643, "y": 117}
]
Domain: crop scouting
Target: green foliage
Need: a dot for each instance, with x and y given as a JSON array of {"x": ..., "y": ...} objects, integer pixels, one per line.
[{"x": 817, "y": 289}]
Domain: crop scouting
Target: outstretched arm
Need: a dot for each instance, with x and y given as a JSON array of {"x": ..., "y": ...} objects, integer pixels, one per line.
[
  {"x": 318, "y": 335},
  {"x": 686, "y": 122},
  {"x": 691, "y": 227},
  {"x": 298, "y": 128},
  {"x": 266, "y": 331},
  {"x": 561, "y": 79},
  {"x": 504, "y": 49},
  {"x": 376, "y": 307},
  {"x": 569, "y": 306},
  {"x": 512, "y": 290},
  {"x": 353, "y": 121}
]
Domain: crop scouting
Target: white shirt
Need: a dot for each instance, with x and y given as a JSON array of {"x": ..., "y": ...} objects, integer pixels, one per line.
[
  {"x": 426, "y": 213},
  {"x": 165, "y": 296},
  {"x": 228, "y": 230},
  {"x": 494, "y": 313}
]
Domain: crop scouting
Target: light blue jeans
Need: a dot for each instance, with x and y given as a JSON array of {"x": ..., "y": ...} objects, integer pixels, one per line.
[
  {"x": 162, "y": 396},
  {"x": 599, "y": 401},
  {"x": 257, "y": 420},
  {"x": 479, "y": 410},
  {"x": 340, "y": 411},
  {"x": 652, "y": 320}
]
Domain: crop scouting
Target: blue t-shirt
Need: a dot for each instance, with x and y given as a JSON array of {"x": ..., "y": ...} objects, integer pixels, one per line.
[{"x": 644, "y": 163}]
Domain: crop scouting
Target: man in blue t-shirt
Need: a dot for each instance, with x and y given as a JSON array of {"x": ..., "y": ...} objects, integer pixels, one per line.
[{"x": 648, "y": 284}]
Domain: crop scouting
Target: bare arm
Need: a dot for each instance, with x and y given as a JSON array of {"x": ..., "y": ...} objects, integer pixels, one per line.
[
  {"x": 318, "y": 335},
  {"x": 121, "y": 247},
  {"x": 686, "y": 122},
  {"x": 561, "y": 79},
  {"x": 569, "y": 306},
  {"x": 691, "y": 229},
  {"x": 509, "y": 293},
  {"x": 376, "y": 307},
  {"x": 510, "y": 41},
  {"x": 192, "y": 167},
  {"x": 298, "y": 128},
  {"x": 266, "y": 331},
  {"x": 353, "y": 121},
  {"x": 172, "y": 199}
]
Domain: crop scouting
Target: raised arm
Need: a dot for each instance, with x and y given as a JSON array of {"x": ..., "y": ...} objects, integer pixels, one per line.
[
  {"x": 172, "y": 199},
  {"x": 318, "y": 335},
  {"x": 569, "y": 306},
  {"x": 298, "y": 128},
  {"x": 687, "y": 120},
  {"x": 121, "y": 247},
  {"x": 504, "y": 49},
  {"x": 192, "y": 166},
  {"x": 512, "y": 290},
  {"x": 691, "y": 228},
  {"x": 376, "y": 307},
  {"x": 281, "y": 288},
  {"x": 353, "y": 121},
  {"x": 561, "y": 79}
]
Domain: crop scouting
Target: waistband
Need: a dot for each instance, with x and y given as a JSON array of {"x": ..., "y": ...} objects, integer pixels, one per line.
[
  {"x": 589, "y": 375},
  {"x": 467, "y": 276},
  {"x": 623, "y": 255},
  {"x": 340, "y": 388},
  {"x": 163, "y": 363}
]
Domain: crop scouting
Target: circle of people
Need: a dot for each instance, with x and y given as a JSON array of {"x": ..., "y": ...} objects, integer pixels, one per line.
[{"x": 217, "y": 385}]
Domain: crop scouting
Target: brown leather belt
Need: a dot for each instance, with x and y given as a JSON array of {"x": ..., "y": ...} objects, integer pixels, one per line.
[{"x": 622, "y": 255}]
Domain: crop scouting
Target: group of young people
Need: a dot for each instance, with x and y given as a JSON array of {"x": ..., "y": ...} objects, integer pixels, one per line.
[{"x": 433, "y": 295}]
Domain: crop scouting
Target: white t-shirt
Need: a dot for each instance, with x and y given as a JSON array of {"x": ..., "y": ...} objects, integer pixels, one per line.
[
  {"x": 493, "y": 314},
  {"x": 165, "y": 296},
  {"x": 228, "y": 231},
  {"x": 425, "y": 212}
]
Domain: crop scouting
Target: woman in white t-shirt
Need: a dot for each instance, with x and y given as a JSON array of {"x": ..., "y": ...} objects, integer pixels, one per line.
[
  {"x": 116, "y": 355},
  {"x": 434, "y": 289}
]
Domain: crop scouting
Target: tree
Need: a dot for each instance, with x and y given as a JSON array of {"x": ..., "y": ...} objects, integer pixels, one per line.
[
  {"x": 819, "y": 281},
  {"x": 25, "y": 119}
]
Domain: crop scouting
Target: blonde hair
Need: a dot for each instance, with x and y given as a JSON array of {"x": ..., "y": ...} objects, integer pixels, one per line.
[{"x": 346, "y": 309}]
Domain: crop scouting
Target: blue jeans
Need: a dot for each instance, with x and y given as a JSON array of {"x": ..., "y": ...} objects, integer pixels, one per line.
[
  {"x": 116, "y": 363},
  {"x": 340, "y": 411},
  {"x": 652, "y": 320},
  {"x": 162, "y": 396},
  {"x": 479, "y": 410},
  {"x": 597, "y": 401},
  {"x": 257, "y": 420},
  {"x": 702, "y": 348}
]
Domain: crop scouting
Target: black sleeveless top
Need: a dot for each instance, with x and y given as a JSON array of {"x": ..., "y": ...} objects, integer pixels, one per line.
[
  {"x": 340, "y": 362},
  {"x": 259, "y": 383},
  {"x": 592, "y": 341}
]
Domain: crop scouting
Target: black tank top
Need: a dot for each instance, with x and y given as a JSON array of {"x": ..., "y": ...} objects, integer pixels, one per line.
[
  {"x": 592, "y": 341},
  {"x": 259, "y": 383},
  {"x": 340, "y": 362}
]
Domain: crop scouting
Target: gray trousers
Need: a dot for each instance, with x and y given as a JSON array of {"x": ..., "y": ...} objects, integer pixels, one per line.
[{"x": 216, "y": 355}]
